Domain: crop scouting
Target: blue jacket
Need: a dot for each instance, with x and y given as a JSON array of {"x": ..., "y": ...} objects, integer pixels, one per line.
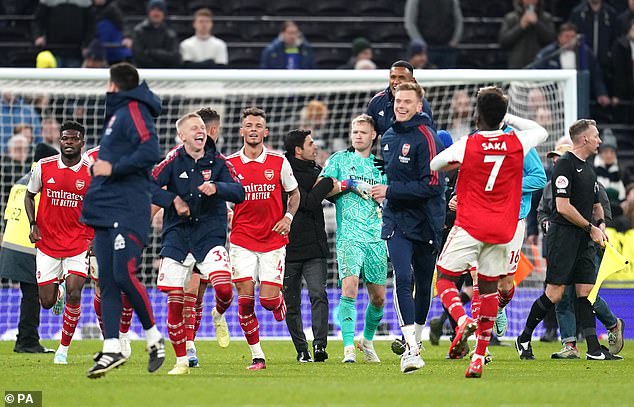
[
  {"x": 583, "y": 17},
  {"x": 534, "y": 179},
  {"x": 206, "y": 227},
  {"x": 415, "y": 194},
  {"x": 130, "y": 144},
  {"x": 274, "y": 56},
  {"x": 549, "y": 59},
  {"x": 109, "y": 33},
  {"x": 381, "y": 108}
]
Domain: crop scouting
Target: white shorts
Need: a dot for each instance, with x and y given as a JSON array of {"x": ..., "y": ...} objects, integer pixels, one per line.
[
  {"x": 174, "y": 275},
  {"x": 514, "y": 247},
  {"x": 463, "y": 253},
  {"x": 52, "y": 270},
  {"x": 265, "y": 267}
]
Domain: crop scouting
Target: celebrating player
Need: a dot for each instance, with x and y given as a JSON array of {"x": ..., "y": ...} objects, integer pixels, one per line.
[
  {"x": 360, "y": 250},
  {"x": 414, "y": 214},
  {"x": 60, "y": 238},
  {"x": 117, "y": 206},
  {"x": 93, "y": 270},
  {"x": 198, "y": 184},
  {"x": 489, "y": 193},
  {"x": 260, "y": 228}
]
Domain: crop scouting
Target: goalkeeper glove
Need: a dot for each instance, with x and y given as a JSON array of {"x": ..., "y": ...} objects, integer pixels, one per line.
[{"x": 361, "y": 188}]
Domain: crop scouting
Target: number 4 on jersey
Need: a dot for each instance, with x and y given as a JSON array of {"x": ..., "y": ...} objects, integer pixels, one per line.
[{"x": 497, "y": 163}]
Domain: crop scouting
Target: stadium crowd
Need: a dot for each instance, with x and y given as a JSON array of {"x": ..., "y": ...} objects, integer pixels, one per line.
[{"x": 592, "y": 37}]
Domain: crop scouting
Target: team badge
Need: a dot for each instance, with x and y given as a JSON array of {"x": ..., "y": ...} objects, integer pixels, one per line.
[
  {"x": 268, "y": 174},
  {"x": 206, "y": 174},
  {"x": 405, "y": 149},
  {"x": 39, "y": 274},
  {"x": 561, "y": 182},
  {"x": 80, "y": 184},
  {"x": 161, "y": 277}
]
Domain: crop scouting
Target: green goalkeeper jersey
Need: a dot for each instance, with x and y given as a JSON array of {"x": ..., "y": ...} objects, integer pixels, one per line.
[{"x": 358, "y": 219}]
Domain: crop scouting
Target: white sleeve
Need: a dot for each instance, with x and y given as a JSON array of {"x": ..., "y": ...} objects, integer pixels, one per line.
[
  {"x": 528, "y": 132},
  {"x": 288, "y": 180},
  {"x": 223, "y": 56},
  {"x": 184, "y": 51},
  {"x": 35, "y": 182},
  {"x": 454, "y": 154}
]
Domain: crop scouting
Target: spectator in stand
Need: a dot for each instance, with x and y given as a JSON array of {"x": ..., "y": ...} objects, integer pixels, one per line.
[
  {"x": 24, "y": 129},
  {"x": 567, "y": 53},
  {"x": 365, "y": 64},
  {"x": 155, "y": 45},
  {"x": 460, "y": 119},
  {"x": 95, "y": 56},
  {"x": 607, "y": 167},
  {"x": 288, "y": 51},
  {"x": 18, "y": 150},
  {"x": 525, "y": 31},
  {"x": 417, "y": 55},
  {"x": 314, "y": 117},
  {"x": 65, "y": 27},
  {"x": 623, "y": 20},
  {"x": 111, "y": 32},
  {"x": 439, "y": 24},
  {"x": 203, "y": 49},
  {"x": 50, "y": 132},
  {"x": 597, "y": 22},
  {"x": 14, "y": 111},
  {"x": 623, "y": 66},
  {"x": 361, "y": 50}
]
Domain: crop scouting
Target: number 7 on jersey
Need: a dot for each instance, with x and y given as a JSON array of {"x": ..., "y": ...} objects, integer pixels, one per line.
[{"x": 497, "y": 163}]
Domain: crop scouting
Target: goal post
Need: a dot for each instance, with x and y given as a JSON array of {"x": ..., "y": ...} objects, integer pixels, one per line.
[{"x": 324, "y": 101}]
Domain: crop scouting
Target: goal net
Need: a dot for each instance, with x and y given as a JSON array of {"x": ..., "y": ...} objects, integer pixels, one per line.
[{"x": 35, "y": 102}]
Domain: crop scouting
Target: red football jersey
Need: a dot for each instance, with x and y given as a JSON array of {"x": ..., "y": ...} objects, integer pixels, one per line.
[
  {"x": 62, "y": 190},
  {"x": 91, "y": 155},
  {"x": 264, "y": 179},
  {"x": 489, "y": 187}
]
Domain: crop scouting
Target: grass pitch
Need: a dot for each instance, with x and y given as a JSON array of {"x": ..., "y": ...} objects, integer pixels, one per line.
[{"x": 223, "y": 381}]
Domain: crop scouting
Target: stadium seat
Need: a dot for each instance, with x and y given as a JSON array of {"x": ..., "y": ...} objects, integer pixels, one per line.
[
  {"x": 132, "y": 7},
  {"x": 21, "y": 58},
  {"x": 316, "y": 31},
  {"x": 389, "y": 33},
  {"x": 331, "y": 8},
  {"x": 382, "y": 8},
  {"x": 262, "y": 31},
  {"x": 288, "y": 8},
  {"x": 217, "y": 7},
  {"x": 228, "y": 31},
  {"x": 331, "y": 57},
  {"x": 384, "y": 57},
  {"x": 247, "y": 7},
  {"x": 244, "y": 57}
]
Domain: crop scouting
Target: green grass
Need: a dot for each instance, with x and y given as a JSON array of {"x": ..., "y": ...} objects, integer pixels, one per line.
[{"x": 223, "y": 381}]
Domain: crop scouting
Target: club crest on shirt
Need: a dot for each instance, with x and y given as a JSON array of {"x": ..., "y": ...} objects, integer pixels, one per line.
[
  {"x": 206, "y": 174},
  {"x": 268, "y": 174},
  {"x": 405, "y": 149},
  {"x": 80, "y": 184},
  {"x": 110, "y": 124}
]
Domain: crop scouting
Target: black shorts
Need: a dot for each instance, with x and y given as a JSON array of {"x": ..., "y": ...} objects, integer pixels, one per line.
[{"x": 571, "y": 254}]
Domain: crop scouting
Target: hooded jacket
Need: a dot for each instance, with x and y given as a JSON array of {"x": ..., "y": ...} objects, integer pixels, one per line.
[
  {"x": 381, "y": 108},
  {"x": 206, "y": 226},
  {"x": 274, "y": 55},
  {"x": 415, "y": 200},
  {"x": 130, "y": 144}
]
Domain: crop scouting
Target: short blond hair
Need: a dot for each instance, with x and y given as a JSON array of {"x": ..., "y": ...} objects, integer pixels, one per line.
[
  {"x": 364, "y": 118},
  {"x": 186, "y": 117},
  {"x": 420, "y": 92}
]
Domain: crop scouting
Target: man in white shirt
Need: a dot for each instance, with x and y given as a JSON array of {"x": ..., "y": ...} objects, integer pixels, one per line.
[{"x": 203, "y": 50}]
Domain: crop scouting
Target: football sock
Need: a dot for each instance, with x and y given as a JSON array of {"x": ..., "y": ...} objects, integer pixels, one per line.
[
  {"x": 96, "y": 302},
  {"x": 418, "y": 332},
  {"x": 588, "y": 324},
  {"x": 373, "y": 317},
  {"x": 256, "y": 351},
  {"x": 475, "y": 302},
  {"x": 71, "y": 316},
  {"x": 347, "y": 319},
  {"x": 111, "y": 345},
  {"x": 199, "y": 316},
  {"x": 126, "y": 314},
  {"x": 410, "y": 337},
  {"x": 189, "y": 315},
  {"x": 540, "y": 308},
  {"x": 505, "y": 298},
  {"x": 175, "y": 323},
  {"x": 248, "y": 320},
  {"x": 488, "y": 313},
  {"x": 450, "y": 298},
  {"x": 224, "y": 296},
  {"x": 152, "y": 335}
]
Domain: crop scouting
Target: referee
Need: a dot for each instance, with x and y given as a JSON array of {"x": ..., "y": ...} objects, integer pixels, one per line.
[{"x": 570, "y": 250}]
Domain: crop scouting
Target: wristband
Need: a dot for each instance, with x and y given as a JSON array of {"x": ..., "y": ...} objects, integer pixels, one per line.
[
  {"x": 588, "y": 227},
  {"x": 600, "y": 222},
  {"x": 289, "y": 215}
]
